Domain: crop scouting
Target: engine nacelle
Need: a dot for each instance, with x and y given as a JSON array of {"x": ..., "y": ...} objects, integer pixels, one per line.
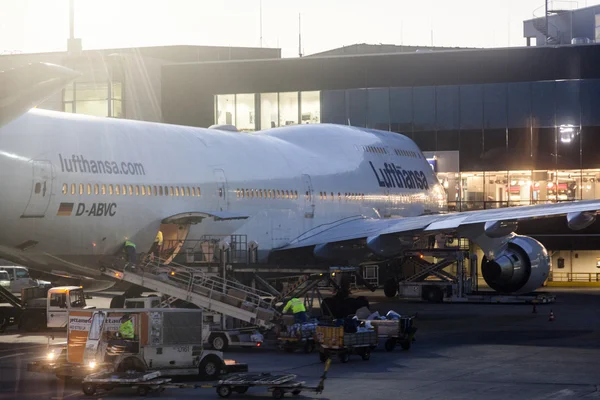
[{"x": 521, "y": 268}]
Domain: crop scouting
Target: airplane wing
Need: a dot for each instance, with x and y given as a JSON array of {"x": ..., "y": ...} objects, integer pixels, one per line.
[
  {"x": 25, "y": 87},
  {"x": 371, "y": 229}
]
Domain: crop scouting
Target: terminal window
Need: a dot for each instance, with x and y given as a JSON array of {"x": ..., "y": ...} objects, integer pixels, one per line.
[{"x": 100, "y": 99}]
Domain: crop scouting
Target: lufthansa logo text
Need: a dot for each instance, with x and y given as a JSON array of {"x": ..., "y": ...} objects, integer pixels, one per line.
[
  {"x": 393, "y": 176},
  {"x": 96, "y": 209}
]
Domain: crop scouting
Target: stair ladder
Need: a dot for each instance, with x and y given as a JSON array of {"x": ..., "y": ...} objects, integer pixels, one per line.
[
  {"x": 428, "y": 268},
  {"x": 9, "y": 297},
  {"x": 211, "y": 293}
]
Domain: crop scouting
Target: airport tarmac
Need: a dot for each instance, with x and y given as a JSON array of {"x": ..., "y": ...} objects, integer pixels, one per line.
[{"x": 462, "y": 351}]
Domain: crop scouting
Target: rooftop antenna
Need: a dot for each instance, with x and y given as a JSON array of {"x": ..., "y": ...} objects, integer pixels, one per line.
[
  {"x": 260, "y": 12},
  {"x": 299, "y": 36}
]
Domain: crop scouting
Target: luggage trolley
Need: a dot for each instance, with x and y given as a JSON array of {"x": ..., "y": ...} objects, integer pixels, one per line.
[
  {"x": 302, "y": 338},
  {"x": 333, "y": 340},
  {"x": 398, "y": 332}
]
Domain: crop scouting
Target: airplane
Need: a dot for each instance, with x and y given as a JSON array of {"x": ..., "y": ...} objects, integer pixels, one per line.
[{"x": 73, "y": 188}]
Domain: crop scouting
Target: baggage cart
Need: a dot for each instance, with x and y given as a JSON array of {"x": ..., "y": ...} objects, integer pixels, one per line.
[
  {"x": 396, "y": 332},
  {"x": 293, "y": 340},
  {"x": 145, "y": 383},
  {"x": 334, "y": 341}
]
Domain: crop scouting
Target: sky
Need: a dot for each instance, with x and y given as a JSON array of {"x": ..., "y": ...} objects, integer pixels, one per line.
[{"x": 43, "y": 25}]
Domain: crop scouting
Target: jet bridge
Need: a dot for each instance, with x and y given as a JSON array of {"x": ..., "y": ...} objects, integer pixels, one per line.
[{"x": 209, "y": 292}]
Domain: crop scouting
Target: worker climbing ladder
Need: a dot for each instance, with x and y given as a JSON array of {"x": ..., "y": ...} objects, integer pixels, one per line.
[{"x": 211, "y": 293}]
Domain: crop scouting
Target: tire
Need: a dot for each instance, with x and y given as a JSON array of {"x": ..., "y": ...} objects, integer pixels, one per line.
[
  {"x": 219, "y": 342},
  {"x": 3, "y": 323},
  {"x": 224, "y": 391},
  {"x": 117, "y": 302},
  {"x": 296, "y": 392},
  {"x": 278, "y": 393},
  {"x": 143, "y": 390},
  {"x": 390, "y": 288},
  {"x": 390, "y": 344},
  {"x": 366, "y": 355},
  {"x": 89, "y": 389},
  {"x": 210, "y": 368},
  {"x": 344, "y": 357},
  {"x": 131, "y": 363},
  {"x": 323, "y": 356}
]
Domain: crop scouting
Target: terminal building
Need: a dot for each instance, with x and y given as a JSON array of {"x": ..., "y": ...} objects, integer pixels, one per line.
[{"x": 502, "y": 127}]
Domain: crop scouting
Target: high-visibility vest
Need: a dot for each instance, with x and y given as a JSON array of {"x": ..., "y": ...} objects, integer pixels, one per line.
[
  {"x": 159, "y": 238},
  {"x": 129, "y": 243},
  {"x": 296, "y": 305},
  {"x": 126, "y": 330}
]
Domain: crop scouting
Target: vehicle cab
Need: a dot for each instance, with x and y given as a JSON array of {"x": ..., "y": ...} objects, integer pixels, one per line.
[
  {"x": 4, "y": 280},
  {"x": 59, "y": 301},
  {"x": 18, "y": 276}
]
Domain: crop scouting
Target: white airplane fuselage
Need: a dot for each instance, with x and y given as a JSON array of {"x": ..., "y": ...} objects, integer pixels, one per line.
[{"x": 58, "y": 175}]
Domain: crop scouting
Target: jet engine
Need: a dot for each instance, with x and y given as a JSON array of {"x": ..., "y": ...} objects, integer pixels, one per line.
[{"x": 521, "y": 268}]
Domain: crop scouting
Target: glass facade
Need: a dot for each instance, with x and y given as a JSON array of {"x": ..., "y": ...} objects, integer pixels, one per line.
[
  {"x": 517, "y": 143},
  {"x": 275, "y": 109},
  {"x": 100, "y": 99}
]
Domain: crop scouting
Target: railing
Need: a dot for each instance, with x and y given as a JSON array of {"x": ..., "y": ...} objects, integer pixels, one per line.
[
  {"x": 574, "y": 276},
  {"x": 206, "y": 249},
  {"x": 194, "y": 281}
]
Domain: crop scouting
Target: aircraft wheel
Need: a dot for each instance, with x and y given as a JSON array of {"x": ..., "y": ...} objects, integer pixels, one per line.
[{"x": 89, "y": 389}]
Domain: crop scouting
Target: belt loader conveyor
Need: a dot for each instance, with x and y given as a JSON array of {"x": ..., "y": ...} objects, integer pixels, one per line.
[{"x": 208, "y": 292}]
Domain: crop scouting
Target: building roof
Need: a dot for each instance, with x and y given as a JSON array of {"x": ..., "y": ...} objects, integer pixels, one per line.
[
  {"x": 174, "y": 53},
  {"x": 364, "y": 49}
]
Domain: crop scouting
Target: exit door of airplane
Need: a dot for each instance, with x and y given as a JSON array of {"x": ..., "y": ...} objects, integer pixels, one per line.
[
  {"x": 309, "y": 198},
  {"x": 222, "y": 200},
  {"x": 41, "y": 190}
]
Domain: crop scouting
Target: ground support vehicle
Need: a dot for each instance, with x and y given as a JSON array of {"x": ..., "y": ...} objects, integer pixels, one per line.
[
  {"x": 396, "y": 332},
  {"x": 445, "y": 279},
  {"x": 213, "y": 334},
  {"x": 145, "y": 383},
  {"x": 165, "y": 340},
  {"x": 40, "y": 308},
  {"x": 334, "y": 341}
]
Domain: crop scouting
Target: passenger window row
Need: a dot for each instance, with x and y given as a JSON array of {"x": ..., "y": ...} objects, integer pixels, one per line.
[
  {"x": 266, "y": 194},
  {"x": 406, "y": 153},
  {"x": 347, "y": 196},
  {"x": 375, "y": 149},
  {"x": 129, "y": 190}
]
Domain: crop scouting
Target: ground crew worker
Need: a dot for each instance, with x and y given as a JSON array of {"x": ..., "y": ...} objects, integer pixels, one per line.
[
  {"x": 298, "y": 309},
  {"x": 126, "y": 328},
  {"x": 158, "y": 242},
  {"x": 130, "y": 252}
]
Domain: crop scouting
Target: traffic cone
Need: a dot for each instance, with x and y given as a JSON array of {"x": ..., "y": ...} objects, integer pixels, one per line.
[
  {"x": 534, "y": 308},
  {"x": 551, "y": 316}
]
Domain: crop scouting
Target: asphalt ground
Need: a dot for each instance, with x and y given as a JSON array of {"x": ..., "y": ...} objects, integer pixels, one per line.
[{"x": 462, "y": 351}]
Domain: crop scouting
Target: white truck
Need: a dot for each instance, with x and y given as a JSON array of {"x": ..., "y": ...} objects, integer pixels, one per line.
[
  {"x": 20, "y": 279},
  {"x": 165, "y": 340},
  {"x": 40, "y": 308},
  {"x": 213, "y": 334}
]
